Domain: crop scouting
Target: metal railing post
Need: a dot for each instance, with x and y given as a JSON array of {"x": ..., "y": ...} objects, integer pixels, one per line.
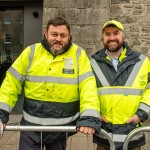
[
  {"x": 55, "y": 129},
  {"x": 132, "y": 134},
  {"x": 112, "y": 145}
]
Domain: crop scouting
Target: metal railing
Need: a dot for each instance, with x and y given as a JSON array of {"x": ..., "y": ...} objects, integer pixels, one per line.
[
  {"x": 55, "y": 129},
  {"x": 73, "y": 129},
  {"x": 133, "y": 133}
]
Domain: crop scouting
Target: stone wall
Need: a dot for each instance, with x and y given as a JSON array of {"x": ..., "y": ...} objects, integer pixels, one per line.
[
  {"x": 135, "y": 15},
  {"x": 86, "y": 18}
]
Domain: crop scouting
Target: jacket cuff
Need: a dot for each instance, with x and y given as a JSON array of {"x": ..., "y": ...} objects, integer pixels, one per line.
[
  {"x": 142, "y": 114},
  {"x": 4, "y": 116},
  {"x": 88, "y": 121}
]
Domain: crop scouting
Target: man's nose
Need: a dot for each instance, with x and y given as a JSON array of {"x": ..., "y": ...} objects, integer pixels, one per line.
[
  {"x": 112, "y": 37},
  {"x": 58, "y": 38}
]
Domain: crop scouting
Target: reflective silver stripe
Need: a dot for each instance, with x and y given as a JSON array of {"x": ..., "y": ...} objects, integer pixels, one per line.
[
  {"x": 86, "y": 75},
  {"x": 58, "y": 79},
  {"x": 121, "y": 138},
  {"x": 90, "y": 112},
  {"x": 5, "y": 107},
  {"x": 144, "y": 107},
  {"x": 79, "y": 49},
  {"x": 51, "y": 79},
  {"x": 135, "y": 71},
  {"x": 32, "y": 47},
  {"x": 124, "y": 91},
  {"x": 99, "y": 73},
  {"x": 131, "y": 78},
  {"x": 49, "y": 121},
  {"x": 54, "y": 79},
  {"x": 16, "y": 74},
  {"x": 148, "y": 86},
  {"x": 78, "y": 53}
]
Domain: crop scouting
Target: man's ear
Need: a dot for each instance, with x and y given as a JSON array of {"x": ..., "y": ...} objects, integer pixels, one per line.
[
  {"x": 70, "y": 38},
  {"x": 45, "y": 35}
]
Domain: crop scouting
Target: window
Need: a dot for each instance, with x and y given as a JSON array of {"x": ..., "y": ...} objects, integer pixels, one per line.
[
  {"x": 7, "y": 20},
  {"x": 7, "y": 37}
]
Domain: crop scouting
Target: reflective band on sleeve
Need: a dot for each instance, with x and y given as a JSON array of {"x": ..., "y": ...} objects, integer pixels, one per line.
[
  {"x": 148, "y": 86},
  {"x": 49, "y": 121},
  {"x": 121, "y": 138},
  {"x": 5, "y": 107},
  {"x": 99, "y": 73},
  {"x": 91, "y": 112},
  {"x": 16, "y": 74},
  {"x": 124, "y": 91},
  {"x": 85, "y": 76},
  {"x": 144, "y": 107},
  {"x": 135, "y": 71}
]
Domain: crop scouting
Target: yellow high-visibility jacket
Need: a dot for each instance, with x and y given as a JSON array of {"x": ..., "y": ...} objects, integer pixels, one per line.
[
  {"x": 123, "y": 93},
  {"x": 57, "y": 89}
]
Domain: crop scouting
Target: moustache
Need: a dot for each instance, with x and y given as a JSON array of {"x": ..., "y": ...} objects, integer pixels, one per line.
[
  {"x": 57, "y": 43},
  {"x": 112, "y": 41}
]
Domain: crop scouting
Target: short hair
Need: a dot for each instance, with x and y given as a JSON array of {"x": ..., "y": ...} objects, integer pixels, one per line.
[{"x": 58, "y": 21}]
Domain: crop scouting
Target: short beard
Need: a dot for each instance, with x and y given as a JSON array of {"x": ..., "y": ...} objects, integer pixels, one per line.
[
  {"x": 114, "y": 50},
  {"x": 56, "y": 52}
]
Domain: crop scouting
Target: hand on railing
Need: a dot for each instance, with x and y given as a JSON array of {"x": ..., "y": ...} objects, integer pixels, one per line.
[
  {"x": 1, "y": 128},
  {"x": 86, "y": 130}
]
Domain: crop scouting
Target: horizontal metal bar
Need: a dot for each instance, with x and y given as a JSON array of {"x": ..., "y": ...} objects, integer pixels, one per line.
[
  {"x": 133, "y": 133},
  {"x": 42, "y": 128},
  {"x": 55, "y": 129}
]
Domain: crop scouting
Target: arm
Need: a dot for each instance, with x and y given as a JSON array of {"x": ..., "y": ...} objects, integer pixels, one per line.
[
  {"x": 89, "y": 121},
  {"x": 89, "y": 125},
  {"x": 144, "y": 107},
  {"x": 10, "y": 89},
  {"x": 4, "y": 117}
]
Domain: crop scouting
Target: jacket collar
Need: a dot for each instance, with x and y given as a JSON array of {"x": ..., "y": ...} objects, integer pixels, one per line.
[{"x": 131, "y": 55}]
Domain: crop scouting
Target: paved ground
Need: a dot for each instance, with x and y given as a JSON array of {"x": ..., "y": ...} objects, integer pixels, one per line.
[{"x": 79, "y": 141}]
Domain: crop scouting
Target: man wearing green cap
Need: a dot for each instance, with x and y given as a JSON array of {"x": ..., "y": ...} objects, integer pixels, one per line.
[{"x": 123, "y": 82}]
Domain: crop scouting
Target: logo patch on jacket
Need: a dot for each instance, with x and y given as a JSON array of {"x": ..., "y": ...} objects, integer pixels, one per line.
[
  {"x": 68, "y": 71},
  {"x": 68, "y": 66}
]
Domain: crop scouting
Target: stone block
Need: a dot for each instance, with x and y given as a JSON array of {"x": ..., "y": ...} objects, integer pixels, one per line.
[
  {"x": 86, "y": 16},
  {"x": 144, "y": 18},
  {"x": 86, "y": 33},
  {"x": 54, "y": 3},
  {"x": 49, "y": 13},
  {"x": 119, "y": 1},
  {"x": 100, "y": 4},
  {"x": 75, "y": 32},
  {"x": 116, "y": 9},
  {"x": 100, "y": 16}
]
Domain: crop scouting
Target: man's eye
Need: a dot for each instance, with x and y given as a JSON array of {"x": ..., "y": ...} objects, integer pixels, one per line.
[
  {"x": 116, "y": 33},
  {"x": 63, "y": 36},
  {"x": 107, "y": 34},
  {"x": 54, "y": 35}
]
